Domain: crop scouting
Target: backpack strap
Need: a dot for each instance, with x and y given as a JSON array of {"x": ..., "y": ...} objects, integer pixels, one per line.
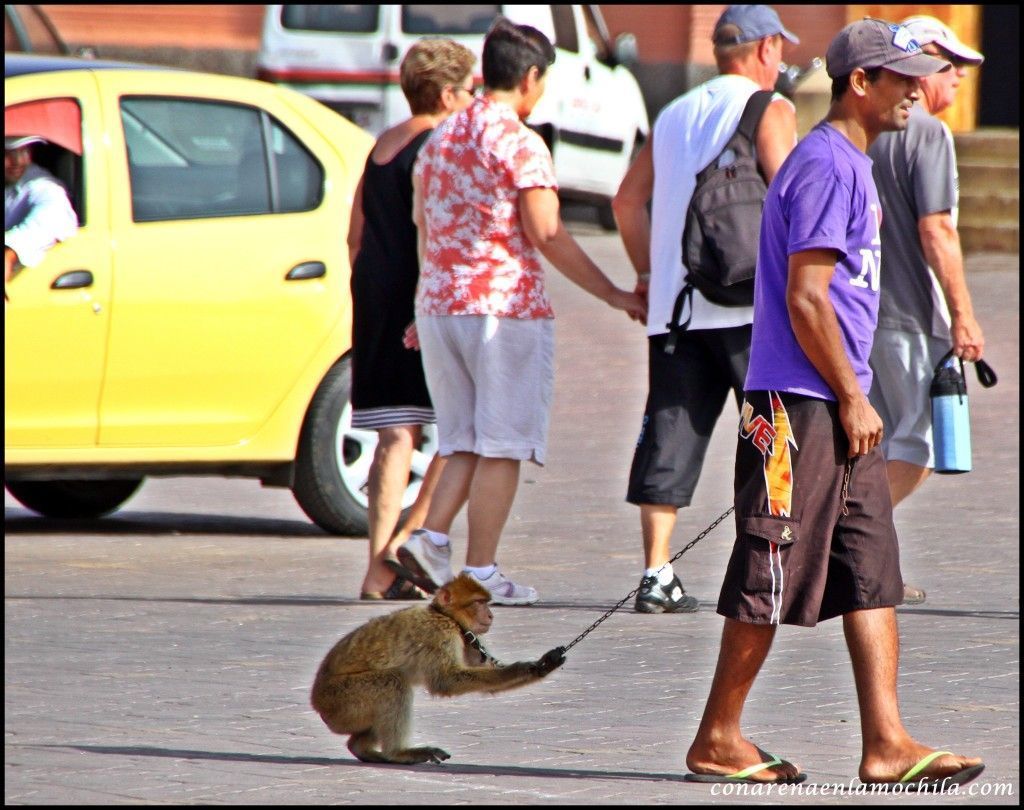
[
  {"x": 753, "y": 112},
  {"x": 674, "y": 327}
]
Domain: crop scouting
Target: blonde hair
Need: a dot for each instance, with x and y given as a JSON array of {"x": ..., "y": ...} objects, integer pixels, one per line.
[
  {"x": 430, "y": 65},
  {"x": 730, "y": 53}
]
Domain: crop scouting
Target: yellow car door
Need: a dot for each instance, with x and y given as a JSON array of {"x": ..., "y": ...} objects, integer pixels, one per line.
[
  {"x": 230, "y": 261},
  {"x": 57, "y": 320}
]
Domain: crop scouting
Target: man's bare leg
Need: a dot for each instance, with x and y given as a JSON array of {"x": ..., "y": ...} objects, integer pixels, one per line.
[
  {"x": 904, "y": 478},
  {"x": 719, "y": 747},
  {"x": 657, "y": 522},
  {"x": 888, "y": 751}
]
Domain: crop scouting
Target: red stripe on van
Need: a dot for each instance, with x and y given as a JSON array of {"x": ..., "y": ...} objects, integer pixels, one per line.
[{"x": 301, "y": 75}]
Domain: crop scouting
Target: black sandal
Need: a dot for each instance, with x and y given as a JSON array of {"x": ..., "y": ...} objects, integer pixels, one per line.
[{"x": 401, "y": 590}]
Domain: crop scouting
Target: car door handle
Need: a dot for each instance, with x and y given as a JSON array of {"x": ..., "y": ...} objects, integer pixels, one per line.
[
  {"x": 306, "y": 270},
  {"x": 73, "y": 280}
]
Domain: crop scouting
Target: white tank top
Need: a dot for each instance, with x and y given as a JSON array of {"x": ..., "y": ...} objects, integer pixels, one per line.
[{"x": 688, "y": 134}]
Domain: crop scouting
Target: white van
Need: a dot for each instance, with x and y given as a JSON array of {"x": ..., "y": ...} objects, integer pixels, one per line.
[{"x": 592, "y": 114}]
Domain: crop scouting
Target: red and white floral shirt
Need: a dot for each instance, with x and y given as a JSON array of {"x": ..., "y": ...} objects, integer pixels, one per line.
[{"x": 478, "y": 259}]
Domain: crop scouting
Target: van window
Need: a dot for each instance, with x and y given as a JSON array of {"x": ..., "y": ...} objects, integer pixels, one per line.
[
  {"x": 448, "y": 19},
  {"x": 195, "y": 159},
  {"x": 359, "y": 19},
  {"x": 565, "y": 29}
]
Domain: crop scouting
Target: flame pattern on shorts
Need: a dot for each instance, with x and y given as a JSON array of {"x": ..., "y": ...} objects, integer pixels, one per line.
[{"x": 776, "y": 442}]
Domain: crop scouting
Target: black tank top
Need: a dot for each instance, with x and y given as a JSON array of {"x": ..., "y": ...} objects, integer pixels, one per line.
[{"x": 388, "y": 249}]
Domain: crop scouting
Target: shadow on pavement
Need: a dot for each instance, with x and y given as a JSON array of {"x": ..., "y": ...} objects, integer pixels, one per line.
[
  {"x": 328, "y": 601},
  {"x": 279, "y": 759},
  {"x": 19, "y": 521}
]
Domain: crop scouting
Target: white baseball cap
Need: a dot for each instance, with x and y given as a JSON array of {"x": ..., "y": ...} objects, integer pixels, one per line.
[
  {"x": 18, "y": 141},
  {"x": 927, "y": 30}
]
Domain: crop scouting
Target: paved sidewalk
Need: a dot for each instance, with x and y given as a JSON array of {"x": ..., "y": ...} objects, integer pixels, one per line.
[{"x": 165, "y": 655}]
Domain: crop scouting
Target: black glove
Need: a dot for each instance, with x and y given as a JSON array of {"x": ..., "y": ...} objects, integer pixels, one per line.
[{"x": 550, "y": 661}]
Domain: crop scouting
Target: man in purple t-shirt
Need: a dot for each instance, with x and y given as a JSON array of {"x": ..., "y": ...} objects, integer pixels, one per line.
[{"x": 814, "y": 531}]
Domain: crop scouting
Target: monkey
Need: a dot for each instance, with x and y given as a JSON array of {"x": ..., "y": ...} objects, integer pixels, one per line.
[{"x": 364, "y": 685}]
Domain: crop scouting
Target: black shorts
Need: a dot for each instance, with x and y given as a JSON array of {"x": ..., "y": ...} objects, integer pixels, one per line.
[
  {"x": 814, "y": 531},
  {"x": 686, "y": 393}
]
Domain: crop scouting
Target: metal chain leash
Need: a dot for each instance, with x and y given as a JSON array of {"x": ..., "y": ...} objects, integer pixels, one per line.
[{"x": 633, "y": 592}]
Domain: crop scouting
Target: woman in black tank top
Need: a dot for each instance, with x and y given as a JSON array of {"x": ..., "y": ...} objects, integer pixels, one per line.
[{"x": 389, "y": 391}]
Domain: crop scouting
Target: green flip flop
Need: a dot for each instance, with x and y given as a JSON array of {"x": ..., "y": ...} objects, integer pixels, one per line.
[
  {"x": 743, "y": 777},
  {"x": 906, "y": 783}
]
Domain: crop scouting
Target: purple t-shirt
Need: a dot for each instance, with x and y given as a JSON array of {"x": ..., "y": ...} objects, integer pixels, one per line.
[{"x": 823, "y": 197}]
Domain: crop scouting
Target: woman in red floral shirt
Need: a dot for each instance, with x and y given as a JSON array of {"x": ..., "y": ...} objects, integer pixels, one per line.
[{"x": 486, "y": 206}]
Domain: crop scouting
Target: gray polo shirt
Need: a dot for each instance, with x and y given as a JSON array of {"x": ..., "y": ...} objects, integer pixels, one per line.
[{"x": 915, "y": 171}]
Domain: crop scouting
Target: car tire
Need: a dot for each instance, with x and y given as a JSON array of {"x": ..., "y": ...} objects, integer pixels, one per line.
[
  {"x": 333, "y": 464},
  {"x": 74, "y": 498}
]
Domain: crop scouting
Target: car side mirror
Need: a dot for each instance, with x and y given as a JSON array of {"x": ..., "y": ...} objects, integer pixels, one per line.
[{"x": 626, "y": 51}]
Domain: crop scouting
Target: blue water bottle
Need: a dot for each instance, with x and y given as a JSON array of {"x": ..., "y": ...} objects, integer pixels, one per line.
[{"x": 951, "y": 424}]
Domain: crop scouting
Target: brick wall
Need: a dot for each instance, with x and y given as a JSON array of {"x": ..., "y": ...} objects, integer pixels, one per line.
[{"x": 674, "y": 40}]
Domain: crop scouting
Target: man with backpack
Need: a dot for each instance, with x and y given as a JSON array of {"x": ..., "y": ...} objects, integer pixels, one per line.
[{"x": 697, "y": 350}]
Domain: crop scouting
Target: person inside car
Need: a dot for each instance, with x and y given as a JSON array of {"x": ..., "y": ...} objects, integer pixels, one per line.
[{"x": 37, "y": 210}]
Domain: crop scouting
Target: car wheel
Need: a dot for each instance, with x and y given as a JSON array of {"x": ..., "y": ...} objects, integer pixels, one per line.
[
  {"x": 333, "y": 465},
  {"x": 73, "y": 499}
]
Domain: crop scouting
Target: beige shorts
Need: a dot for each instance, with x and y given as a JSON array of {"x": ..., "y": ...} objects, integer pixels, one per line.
[{"x": 491, "y": 381}]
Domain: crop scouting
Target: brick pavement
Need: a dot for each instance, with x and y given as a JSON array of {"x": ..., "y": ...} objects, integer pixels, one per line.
[{"x": 165, "y": 655}]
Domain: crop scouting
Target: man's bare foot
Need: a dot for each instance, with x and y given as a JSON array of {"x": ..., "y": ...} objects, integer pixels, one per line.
[{"x": 727, "y": 758}]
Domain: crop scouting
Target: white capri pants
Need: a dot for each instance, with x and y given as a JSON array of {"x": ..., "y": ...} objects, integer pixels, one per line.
[{"x": 491, "y": 381}]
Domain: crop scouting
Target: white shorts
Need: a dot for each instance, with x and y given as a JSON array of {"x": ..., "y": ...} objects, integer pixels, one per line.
[
  {"x": 903, "y": 364},
  {"x": 491, "y": 381}
]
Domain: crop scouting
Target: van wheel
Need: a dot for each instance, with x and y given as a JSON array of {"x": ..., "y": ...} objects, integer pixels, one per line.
[
  {"x": 73, "y": 499},
  {"x": 333, "y": 465}
]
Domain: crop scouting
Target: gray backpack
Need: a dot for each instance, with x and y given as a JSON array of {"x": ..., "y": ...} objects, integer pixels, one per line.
[{"x": 723, "y": 222}]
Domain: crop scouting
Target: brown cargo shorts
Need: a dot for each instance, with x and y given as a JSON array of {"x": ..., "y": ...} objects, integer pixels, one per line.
[{"x": 814, "y": 531}]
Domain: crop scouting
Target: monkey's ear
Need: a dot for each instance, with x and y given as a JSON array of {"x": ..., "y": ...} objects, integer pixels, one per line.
[{"x": 443, "y": 597}]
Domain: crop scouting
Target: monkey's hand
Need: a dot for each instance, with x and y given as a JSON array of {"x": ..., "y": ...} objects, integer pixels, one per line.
[{"x": 550, "y": 661}]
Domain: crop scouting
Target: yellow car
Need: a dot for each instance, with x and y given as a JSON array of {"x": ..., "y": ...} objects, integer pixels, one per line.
[{"x": 199, "y": 322}]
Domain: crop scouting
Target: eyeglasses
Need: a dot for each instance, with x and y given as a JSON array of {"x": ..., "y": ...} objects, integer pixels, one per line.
[
  {"x": 945, "y": 56},
  {"x": 470, "y": 90}
]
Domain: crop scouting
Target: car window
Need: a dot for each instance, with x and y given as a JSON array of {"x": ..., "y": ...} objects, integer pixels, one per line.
[
  {"x": 59, "y": 121},
  {"x": 353, "y": 18},
  {"x": 565, "y": 29},
  {"x": 191, "y": 159},
  {"x": 454, "y": 19},
  {"x": 300, "y": 178}
]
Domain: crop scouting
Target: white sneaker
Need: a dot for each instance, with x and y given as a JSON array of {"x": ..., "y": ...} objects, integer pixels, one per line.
[
  {"x": 504, "y": 591},
  {"x": 425, "y": 564}
]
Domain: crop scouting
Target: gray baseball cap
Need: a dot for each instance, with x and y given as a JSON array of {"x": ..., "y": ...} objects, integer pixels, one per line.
[
  {"x": 753, "y": 22},
  {"x": 871, "y": 43}
]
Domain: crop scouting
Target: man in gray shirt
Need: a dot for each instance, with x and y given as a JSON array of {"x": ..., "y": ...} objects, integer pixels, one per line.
[{"x": 925, "y": 307}]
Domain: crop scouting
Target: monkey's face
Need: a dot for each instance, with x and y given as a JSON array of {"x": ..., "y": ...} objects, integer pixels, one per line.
[{"x": 480, "y": 616}]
